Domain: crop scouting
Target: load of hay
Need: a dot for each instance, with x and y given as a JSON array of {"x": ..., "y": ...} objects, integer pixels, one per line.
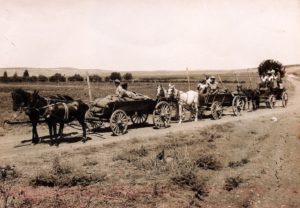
[{"x": 268, "y": 66}]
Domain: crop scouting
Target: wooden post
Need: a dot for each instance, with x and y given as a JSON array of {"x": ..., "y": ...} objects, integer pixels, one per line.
[
  {"x": 219, "y": 77},
  {"x": 236, "y": 77},
  {"x": 188, "y": 78},
  {"x": 89, "y": 86}
]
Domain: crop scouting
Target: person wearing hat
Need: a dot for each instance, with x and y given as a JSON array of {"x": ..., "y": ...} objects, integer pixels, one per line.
[
  {"x": 213, "y": 85},
  {"x": 119, "y": 89}
]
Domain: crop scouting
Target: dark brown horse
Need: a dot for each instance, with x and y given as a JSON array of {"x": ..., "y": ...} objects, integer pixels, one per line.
[
  {"x": 22, "y": 100},
  {"x": 252, "y": 97},
  {"x": 60, "y": 113}
]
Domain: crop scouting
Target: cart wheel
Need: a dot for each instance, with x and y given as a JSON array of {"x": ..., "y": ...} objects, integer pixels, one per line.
[
  {"x": 216, "y": 110},
  {"x": 162, "y": 115},
  {"x": 271, "y": 101},
  {"x": 139, "y": 118},
  {"x": 237, "y": 105},
  {"x": 284, "y": 99},
  {"x": 118, "y": 122}
]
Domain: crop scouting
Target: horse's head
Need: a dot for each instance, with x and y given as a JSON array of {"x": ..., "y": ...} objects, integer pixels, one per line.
[
  {"x": 33, "y": 101},
  {"x": 20, "y": 99},
  {"x": 171, "y": 91},
  {"x": 160, "y": 91}
]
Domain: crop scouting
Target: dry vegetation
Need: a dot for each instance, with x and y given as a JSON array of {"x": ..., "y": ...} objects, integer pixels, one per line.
[{"x": 175, "y": 169}]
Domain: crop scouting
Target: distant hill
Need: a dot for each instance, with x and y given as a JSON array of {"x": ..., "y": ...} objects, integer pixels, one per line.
[{"x": 68, "y": 71}]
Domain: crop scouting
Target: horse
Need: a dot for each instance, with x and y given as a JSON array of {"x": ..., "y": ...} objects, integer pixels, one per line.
[
  {"x": 60, "y": 113},
  {"x": 21, "y": 101},
  {"x": 252, "y": 97},
  {"x": 185, "y": 99},
  {"x": 161, "y": 92}
]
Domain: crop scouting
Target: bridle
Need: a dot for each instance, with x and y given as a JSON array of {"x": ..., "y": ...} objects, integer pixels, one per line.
[{"x": 177, "y": 93}]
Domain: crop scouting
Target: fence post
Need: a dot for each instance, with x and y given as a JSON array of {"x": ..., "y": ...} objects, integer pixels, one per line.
[
  {"x": 220, "y": 80},
  {"x": 89, "y": 86}
]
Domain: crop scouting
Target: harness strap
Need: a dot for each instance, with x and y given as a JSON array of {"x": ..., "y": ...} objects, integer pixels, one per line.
[{"x": 66, "y": 116}]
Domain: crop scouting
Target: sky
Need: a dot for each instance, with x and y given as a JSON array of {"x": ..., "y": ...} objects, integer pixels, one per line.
[{"x": 148, "y": 34}]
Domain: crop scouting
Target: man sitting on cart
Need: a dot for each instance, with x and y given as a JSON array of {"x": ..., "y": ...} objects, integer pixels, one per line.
[
  {"x": 122, "y": 92},
  {"x": 213, "y": 85}
]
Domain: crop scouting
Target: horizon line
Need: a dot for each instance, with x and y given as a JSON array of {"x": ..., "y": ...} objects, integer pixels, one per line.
[{"x": 134, "y": 70}]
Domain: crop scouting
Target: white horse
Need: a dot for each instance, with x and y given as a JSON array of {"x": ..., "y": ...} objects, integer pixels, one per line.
[{"x": 185, "y": 99}]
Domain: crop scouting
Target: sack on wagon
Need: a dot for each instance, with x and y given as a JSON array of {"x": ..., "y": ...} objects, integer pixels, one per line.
[{"x": 103, "y": 102}]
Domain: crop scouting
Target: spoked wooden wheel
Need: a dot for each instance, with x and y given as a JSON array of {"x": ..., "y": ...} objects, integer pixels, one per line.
[
  {"x": 118, "y": 122},
  {"x": 237, "y": 105},
  {"x": 216, "y": 110},
  {"x": 284, "y": 99},
  {"x": 162, "y": 115},
  {"x": 271, "y": 101},
  {"x": 139, "y": 118}
]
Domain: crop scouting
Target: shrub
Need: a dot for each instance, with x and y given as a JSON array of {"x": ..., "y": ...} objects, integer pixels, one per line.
[
  {"x": 115, "y": 75},
  {"x": 57, "y": 78},
  {"x": 208, "y": 162},
  {"x": 76, "y": 77},
  {"x": 238, "y": 163},
  {"x": 232, "y": 183},
  {"x": 42, "y": 78}
]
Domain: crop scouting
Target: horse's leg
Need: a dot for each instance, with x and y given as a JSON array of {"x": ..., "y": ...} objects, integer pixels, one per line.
[
  {"x": 83, "y": 124},
  {"x": 55, "y": 133},
  {"x": 50, "y": 132},
  {"x": 34, "y": 132},
  {"x": 61, "y": 130},
  {"x": 196, "y": 111},
  {"x": 180, "y": 113}
]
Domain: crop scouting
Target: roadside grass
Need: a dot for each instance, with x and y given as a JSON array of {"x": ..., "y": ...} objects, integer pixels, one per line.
[
  {"x": 180, "y": 168},
  {"x": 61, "y": 174}
]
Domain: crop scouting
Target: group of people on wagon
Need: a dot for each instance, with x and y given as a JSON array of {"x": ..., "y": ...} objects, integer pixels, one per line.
[
  {"x": 208, "y": 86},
  {"x": 271, "y": 79}
]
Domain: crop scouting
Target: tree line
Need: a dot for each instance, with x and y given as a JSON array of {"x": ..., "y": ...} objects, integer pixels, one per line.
[{"x": 58, "y": 77}]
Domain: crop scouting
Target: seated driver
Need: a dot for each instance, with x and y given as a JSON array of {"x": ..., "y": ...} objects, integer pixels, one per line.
[
  {"x": 121, "y": 90},
  {"x": 213, "y": 85}
]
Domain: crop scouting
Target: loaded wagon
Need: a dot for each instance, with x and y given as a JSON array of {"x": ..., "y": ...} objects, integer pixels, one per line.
[
  {"x": 118, "y": 112},
  {"x": 269, "y": 96},
  {"x": 271, "y": 87},
  {"x": 214, "y": 102}
]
